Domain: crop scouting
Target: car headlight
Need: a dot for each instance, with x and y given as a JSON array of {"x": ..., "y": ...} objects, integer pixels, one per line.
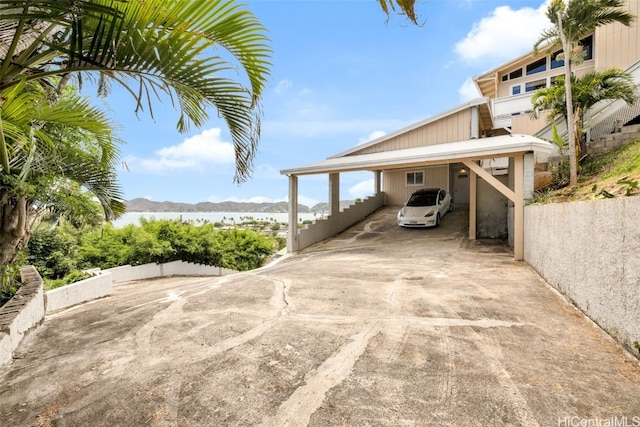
[
  {"x": 401, "y": 214},
  {"x": 430, "y": 213}
]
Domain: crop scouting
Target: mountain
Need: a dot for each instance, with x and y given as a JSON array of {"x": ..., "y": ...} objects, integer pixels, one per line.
[{"x": 145, "y": 205}]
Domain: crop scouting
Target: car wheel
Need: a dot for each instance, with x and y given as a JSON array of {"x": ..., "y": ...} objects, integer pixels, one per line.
[
  {"x": 451, "y": 206},
  {"x": 438, "y": 220}
]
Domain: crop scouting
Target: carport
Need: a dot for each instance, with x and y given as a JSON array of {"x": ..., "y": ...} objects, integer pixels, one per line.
[{"x": 519, "y": 149}]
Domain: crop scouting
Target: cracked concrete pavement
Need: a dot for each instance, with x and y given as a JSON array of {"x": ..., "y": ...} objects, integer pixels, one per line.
[{"x": 379, "y": 326}]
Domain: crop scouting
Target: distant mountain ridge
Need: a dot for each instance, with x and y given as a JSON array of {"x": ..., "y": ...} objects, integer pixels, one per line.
[{"x": 145, "y": 205}]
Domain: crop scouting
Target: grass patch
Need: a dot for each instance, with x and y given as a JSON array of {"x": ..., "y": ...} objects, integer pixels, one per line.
[
  {"x": 612, "y": 174},
  {"x": 613, "y": 164}
]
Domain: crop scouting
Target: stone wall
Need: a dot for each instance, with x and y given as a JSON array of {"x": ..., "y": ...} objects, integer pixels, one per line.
[{"x": 590, "y": 252}]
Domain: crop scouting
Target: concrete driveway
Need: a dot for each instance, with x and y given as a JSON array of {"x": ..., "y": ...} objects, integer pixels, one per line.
[{"x": 380, "y": 326}]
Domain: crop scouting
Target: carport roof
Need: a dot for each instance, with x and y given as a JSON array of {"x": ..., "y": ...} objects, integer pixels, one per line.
[{"x": 498, "y": 146}]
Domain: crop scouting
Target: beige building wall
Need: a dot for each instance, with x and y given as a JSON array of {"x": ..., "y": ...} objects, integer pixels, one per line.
[
  {"x": 397, "y": 191},
  {"x": 618, "y": 45},
  {"x": 456, "y": 127},
  {"x": 525, "y": 125},
  {"x": 504, "y": 88},
  {"x": 614, "y": 45}
]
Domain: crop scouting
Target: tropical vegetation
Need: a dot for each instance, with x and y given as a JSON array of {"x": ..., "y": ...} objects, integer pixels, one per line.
[
  {"x": 587, "y": 90},
  {"x": 404, "y": 7},
  {"x": 60, "y": 155},
  {"x": 615, "y": 173},
  {"x": 571, "y": 22},
  {"x": 61, "y": 253},
  {"x": 57, "y": 151},
  {"x": 54, "y": 144}
]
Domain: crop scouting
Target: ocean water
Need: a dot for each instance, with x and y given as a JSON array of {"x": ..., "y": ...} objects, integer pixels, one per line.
[{"x": 202, "y": 217}]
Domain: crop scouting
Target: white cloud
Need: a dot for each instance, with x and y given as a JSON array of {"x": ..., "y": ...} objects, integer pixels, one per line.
[
  {"x": 362, "y": 189},
  {"x": 282, "y": 86},
  {"x": 373, "y": 135},
  {"x": 196, "y": 152},
  {"x": 504, "y": 34},
  {"x": 468, "y": 91}
]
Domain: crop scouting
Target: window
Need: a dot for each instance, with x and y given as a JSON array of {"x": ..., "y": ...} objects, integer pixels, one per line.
[
  {"x": 415, "y": 178},
  {"x": 537, "y": 67},
  {"x": 515, "y": 90},
  {"x": 535, "y": 85},
  {"x": 505, "y": 77},
  {"x": 555, "y": 62},
  {"x": 515, "y": 74},
  {"x": 587, "y": 47}
]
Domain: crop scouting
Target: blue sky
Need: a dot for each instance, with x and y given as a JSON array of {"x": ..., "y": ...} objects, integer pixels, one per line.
[{"x": 341, "y": 75}]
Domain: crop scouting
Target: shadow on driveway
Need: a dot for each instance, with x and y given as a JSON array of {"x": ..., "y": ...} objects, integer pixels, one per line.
[{"x": 379, "y": 326}]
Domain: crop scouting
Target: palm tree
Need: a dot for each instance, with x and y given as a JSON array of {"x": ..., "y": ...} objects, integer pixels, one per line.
[
  {"x": 405, "y": 7},
  {"x": 55, "y": 149},
  {"x": 571, "y": 22},
  {"x": 154, "y": 48},
  {"x": 591, "y": 88}
]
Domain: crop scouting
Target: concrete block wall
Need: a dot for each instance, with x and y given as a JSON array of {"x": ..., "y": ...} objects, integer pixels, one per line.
[
  {"x": 334, "y": 224},
  {"x": 614, "y": 140},
  {"x": 590, "y": 252},
  {"x": 23, "y": 312}
]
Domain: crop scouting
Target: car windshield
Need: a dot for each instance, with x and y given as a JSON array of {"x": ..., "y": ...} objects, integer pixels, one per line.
[{"x": 428, "y": 199}]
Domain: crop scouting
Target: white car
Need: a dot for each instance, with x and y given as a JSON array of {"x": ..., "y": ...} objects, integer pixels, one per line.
[{"x": 425, "y": 208}]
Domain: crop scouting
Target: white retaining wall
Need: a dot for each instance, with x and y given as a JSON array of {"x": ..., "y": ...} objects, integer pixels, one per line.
[
  {"x": 324, "y": 228},
  {"x": 590, "y": 252},
  {"x": 85, "y": 290},
  {"x": 28, "y": 307},
  {"x": 24, "y": 311},
  {"x": 102, "y": 284}
]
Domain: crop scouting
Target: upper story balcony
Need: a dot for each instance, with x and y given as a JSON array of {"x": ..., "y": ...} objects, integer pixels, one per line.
[{"x": 505, "y": 108}]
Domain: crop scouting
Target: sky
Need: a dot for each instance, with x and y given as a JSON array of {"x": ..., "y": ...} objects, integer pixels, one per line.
[{"x": 342, "y": 74}]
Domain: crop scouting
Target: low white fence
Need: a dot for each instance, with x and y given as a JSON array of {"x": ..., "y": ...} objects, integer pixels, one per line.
[{"x": 590, "y": 252}]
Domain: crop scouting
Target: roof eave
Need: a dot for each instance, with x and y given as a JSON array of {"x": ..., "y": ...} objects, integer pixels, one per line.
[{"x": 407, "y": 158}]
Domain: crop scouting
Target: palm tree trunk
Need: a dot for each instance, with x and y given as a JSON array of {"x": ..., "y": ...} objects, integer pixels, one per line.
[
  {"x": 13, "y": 227},
  {"x": 571, "y": 135}
]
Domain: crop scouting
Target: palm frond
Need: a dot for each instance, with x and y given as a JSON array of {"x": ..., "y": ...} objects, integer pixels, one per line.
[{"x": 156, "y": 49}]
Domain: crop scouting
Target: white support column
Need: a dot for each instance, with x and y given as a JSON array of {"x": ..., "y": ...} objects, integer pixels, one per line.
[
  {"x": 529, "y": 175},
  {"x": 292, "y": 243},
  {"x": 518, "y": 208},
  {"x": 334, "y": 193},
  {"x": 377, "y": 182},
  {"x": 475, "y": 122},
  {"x": 473, "y": 204}
]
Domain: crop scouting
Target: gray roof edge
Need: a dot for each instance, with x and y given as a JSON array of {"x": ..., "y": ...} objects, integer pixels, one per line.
[{"x": 454, "y": 151}]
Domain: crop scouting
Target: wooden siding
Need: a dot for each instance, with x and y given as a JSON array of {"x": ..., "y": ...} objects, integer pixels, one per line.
[
  {"x": 456, "y": 127},
  {"x": 524, "y": 124},
  {"x": 617, "y": 45},
  {"x": 397, "y": 192}
]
